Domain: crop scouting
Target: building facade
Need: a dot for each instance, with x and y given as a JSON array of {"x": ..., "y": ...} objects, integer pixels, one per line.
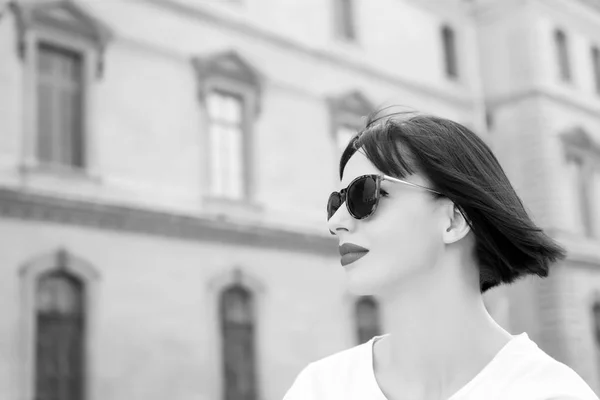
[{"x": 164, "y": 166}]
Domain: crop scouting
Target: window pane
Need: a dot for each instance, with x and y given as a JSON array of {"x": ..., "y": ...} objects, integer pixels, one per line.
[
  {"x": 60, "y": 85},
  {"x": 46, "y": 122},
  {"x": 237, "y": 306},
  {"x": 596, "y": 67},
  {"x": 576, "y": 193},
  {"x": 238, "y": 339},
  {"x": 449, "y": 44},
  {"x": 235, "y": 177},
  {"x": 562, "y": 50},
  {"x": 345, "y": 19},
  {"x": 216, "y": 156},
  {"x": 215, "y": 106},
  {"x": 59, "y": 293},
  {"x": 595, "y": 203},
  {"x": 227, "y": 144}
]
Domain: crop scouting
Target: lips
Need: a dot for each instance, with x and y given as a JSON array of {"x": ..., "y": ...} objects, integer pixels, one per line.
[{"x": 351, "y": 252}]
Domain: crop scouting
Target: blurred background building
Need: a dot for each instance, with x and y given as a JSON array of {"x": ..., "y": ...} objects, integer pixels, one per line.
[{"x": 164, "y": 168}]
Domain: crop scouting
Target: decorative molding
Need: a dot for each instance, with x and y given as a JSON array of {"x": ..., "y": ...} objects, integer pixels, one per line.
[
  {"x": 36, "y": 207},
  {"x": 353, "y": 102},
  {"x": 62, "y": 260},
  {"x": 578, "y": 138},
  {"x": 63, "y": 16},
  {"x": 456, "y": 98},
  {"x": 595, "y": 4},
  {"x": 502, "y": 101},
  {"x": 230, "y": 67},
  {"x": 236, "y": 277}
]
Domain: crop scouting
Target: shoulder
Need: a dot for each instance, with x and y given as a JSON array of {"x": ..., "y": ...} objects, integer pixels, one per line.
[
  {"x": 319, "y": 377},
  {"x": 549, "y": 379}
]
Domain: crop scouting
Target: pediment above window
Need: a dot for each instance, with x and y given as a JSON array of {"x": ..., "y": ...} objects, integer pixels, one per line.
[
  {"x": 353, "y": 102},
  {"x": 60, "y": 16},
  {"x": 580, "y": 139},
  {"x": 228, "y": 65},
  {"x": 235, "y": 277},
  {"x": 227, "y": 71}
]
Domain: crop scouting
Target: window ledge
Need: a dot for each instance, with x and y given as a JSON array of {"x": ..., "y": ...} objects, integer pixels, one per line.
[
  {"x": 225, "y": 207},
  {"x": 59, "y": 171}
]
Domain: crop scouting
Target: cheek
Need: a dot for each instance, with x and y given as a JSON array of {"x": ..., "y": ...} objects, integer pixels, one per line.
[{"x": 411, "y": 237}]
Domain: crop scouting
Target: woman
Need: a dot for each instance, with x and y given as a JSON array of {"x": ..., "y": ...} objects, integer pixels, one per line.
[{"x": 428, "y": 221}]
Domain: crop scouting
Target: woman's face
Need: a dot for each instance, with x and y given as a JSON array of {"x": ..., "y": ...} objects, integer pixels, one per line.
[{"x": 403, "y": 237}]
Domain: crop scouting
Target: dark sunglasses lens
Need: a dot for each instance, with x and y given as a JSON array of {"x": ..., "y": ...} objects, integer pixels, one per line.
[
  {"x": 362, "y": 196},
  {"x": 334, "y": 202}
]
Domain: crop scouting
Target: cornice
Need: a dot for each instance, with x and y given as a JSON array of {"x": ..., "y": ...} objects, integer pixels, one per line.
[
  {"x": 594, "y": 4},
  {"x": 30, "y": 206},
  {"x": 285, "y": 44},
  {"x": 501, "y": 101}
]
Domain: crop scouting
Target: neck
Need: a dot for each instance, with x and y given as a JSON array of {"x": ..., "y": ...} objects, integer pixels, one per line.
[{"x": 441, "y": 335}]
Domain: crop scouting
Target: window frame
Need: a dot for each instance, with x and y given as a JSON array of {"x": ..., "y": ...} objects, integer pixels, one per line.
[
  {"x": 248, "y": 325},
  {"x": 228, "y": 72},
  {"x": 57, "y": 136},
  {"x": 233, "y": 276},
  {"x": 29, "y": 273}
]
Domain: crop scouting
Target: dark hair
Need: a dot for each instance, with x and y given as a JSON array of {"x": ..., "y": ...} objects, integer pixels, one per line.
[{"x": 458, "y": 163}]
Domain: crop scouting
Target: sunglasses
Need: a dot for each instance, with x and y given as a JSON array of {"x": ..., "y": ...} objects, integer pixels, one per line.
[{"x": 362, "y": 195}]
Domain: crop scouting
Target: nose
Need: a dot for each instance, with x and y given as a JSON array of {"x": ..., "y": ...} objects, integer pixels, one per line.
[{"x": 341, "y": 220}]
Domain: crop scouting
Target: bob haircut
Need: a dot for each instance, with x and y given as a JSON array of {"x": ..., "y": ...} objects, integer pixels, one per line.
[{"x": 457, "y": 163}]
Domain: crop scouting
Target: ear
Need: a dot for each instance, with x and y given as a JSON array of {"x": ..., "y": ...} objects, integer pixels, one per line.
[{"x": 457, "y": 226}]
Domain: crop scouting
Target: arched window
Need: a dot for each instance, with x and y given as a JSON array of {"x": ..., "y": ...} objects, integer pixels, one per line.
[
  {"x": 237, "y": 323},
  {"x": 367, "y": 318},
  {"x": 562, "y": 53},
  {"x": 59, "y": 355},
  {"x": 449, "y": 44}
]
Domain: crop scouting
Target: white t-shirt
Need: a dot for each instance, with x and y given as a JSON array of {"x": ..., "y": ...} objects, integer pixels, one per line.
[{"x": 519, "y": 371}]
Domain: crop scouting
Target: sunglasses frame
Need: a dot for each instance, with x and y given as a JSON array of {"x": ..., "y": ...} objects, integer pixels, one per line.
[{"x": 378, "y": 179}]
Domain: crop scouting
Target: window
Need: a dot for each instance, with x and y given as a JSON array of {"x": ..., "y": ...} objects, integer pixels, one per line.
[
  {"x": 583, "y": 175},
  {"x": 348, "y": 112},
  {"x": 59, "y": 298},
  {"x": 230, "y": 95},
  {"x": 367, "y": 319},
  {"x": 237, "y": 323},
  {"x": 596, "y": 317},
  {"x": 63, "y": 49},
  {"x": 449, "y": 44},
  {"x": 60, "y": 338},
  {"x": 596, "y": 67},
  {"x": 577, "y": 180},
  {"x": 562, "y": 53},
  {"x": 60, "y": 96},
  {"x": 226, "y": 133},
  {"x": 344, "y": 19}
]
